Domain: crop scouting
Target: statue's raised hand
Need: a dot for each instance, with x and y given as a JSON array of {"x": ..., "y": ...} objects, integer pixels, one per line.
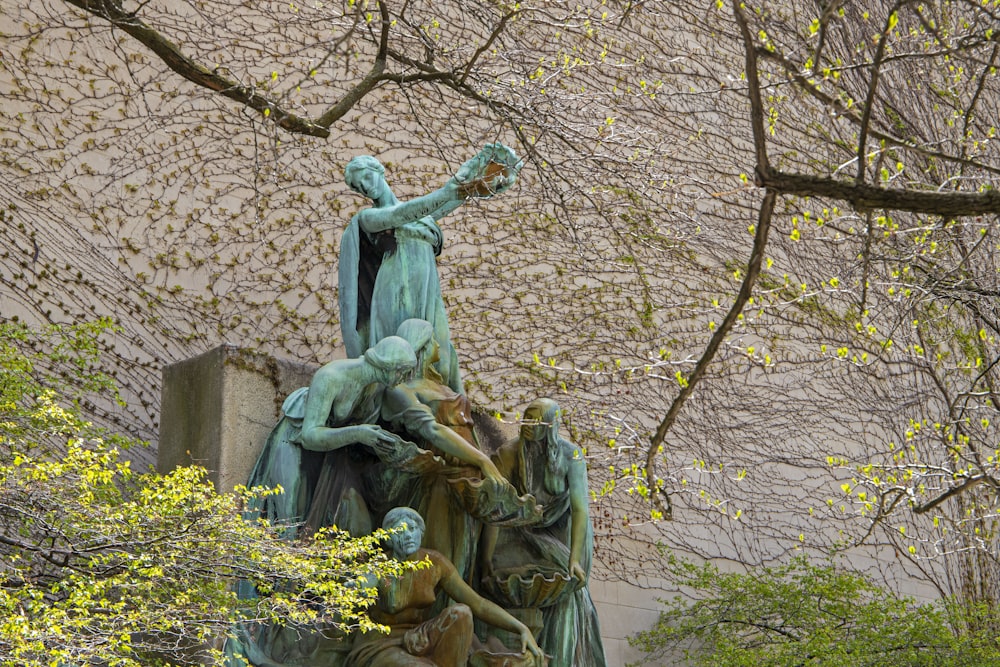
[{"x": 492, "y": 171}]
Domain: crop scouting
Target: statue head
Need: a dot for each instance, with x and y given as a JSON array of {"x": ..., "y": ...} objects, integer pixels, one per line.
[
  {"x": 363, "y": 174},
  {"x": 541, "y": 426},
  {"x": 392, "y": 358},
  {"x": 541, "y": 422},
  {"x": 420, "y": 335},
  {"x": 409, "y": 527}
]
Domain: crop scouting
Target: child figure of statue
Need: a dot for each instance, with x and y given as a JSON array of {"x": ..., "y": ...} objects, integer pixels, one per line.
[{"x": 416, "y": 638}]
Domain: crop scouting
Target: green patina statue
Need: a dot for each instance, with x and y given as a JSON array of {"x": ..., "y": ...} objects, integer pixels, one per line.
[
  {"x": 417, "y": 637},
  {"x": 441, "y": 420},
  {"x": 339, "y": 467},
  {"x": 343, "y": 454},
  {"x": 545, "y": 566},
  {"x": 387, "y": 268},
  {"x": 318, "y": 451}
]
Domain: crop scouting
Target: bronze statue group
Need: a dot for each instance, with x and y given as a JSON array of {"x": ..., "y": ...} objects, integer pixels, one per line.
[{"x": 386, "y": 437}]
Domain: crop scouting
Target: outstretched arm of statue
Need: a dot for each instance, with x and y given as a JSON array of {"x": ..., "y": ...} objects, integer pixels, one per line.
[
  {"x": 493, "y": 170},
  {"x": 444, "y": 210},
  {"x": 326, "y": 439},
  {"x": 455, "y": 445},
  {"x": 459, "y": 591},
  {"x": 437, "y": 204},
  {"x": 401, "y": 407},
  {"x": 343, "y": 380}
]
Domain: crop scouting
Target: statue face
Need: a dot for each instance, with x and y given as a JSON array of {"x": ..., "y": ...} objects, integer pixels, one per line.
[
  {"x": 370, "y": 183},
  {"x": 533, "y": 429},
  {"x": 408, "y": 539},
  {"x": 392, "y": 376}
]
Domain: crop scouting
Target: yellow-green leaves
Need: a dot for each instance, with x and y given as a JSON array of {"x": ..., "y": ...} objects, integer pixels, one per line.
[
  {"x": 102, "y": 564},
  {"x": 139, "y": 553},
  {"x": 893, "y": 21}
]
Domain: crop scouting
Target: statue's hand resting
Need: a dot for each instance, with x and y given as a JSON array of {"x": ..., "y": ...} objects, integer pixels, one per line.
[
  {"x": 528, "y": 644},
  {"x": 372, "y": 435}
]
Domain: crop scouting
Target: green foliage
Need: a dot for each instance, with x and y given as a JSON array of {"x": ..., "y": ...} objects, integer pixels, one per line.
[
  {"x": 804, "y": 613},
  {"x": 29, "y": 417},
  {"x": 101, "y": 564}
]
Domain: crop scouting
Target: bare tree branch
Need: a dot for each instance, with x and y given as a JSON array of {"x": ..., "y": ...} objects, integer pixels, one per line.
[
  {"x": 867, "y": 197},
  {"x": 179, "y": 62},
  {"x": 763, "y": 227},
  {"x": 866, "y": 114},
  {"x": 807, "y": 85}
]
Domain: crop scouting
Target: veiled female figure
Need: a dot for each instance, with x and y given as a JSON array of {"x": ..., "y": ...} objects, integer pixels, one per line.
[
  {"x": 540, "y": 462},
  {"x": 387, "y": 267}
]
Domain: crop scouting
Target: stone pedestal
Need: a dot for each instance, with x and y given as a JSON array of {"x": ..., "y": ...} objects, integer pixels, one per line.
[{"x": 217, "y": 409}]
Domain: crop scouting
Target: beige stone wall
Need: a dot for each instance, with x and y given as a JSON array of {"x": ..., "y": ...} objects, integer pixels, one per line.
[{"x": 192, "y": 222}]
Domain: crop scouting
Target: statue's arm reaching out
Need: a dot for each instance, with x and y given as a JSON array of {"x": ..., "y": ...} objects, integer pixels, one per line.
[
  {"x": 492, "y": 171},
  {"x": 579, "y": 496},
  {"x": 339, "y": 386},
  {"x": 483, "y": 609},
  {"x": 403, "y": 408}
]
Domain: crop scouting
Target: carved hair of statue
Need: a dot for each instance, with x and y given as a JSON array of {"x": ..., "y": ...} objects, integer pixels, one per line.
[
  {"x": 418, "y": 333},
  {"x": 556, "y": 464},
  {"x": 391, "y": 352},
  {"x": 400, "y": 514}
]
